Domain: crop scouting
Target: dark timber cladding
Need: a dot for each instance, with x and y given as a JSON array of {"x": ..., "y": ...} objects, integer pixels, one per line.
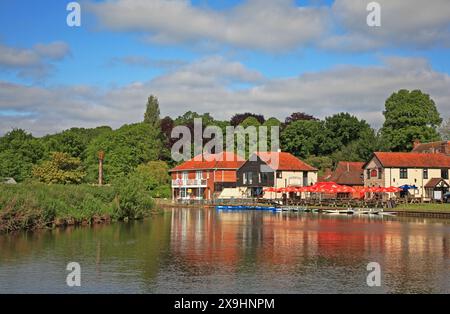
[{"x": 250, "y": 174}]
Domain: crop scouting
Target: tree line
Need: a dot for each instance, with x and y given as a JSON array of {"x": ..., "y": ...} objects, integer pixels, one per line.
[{"x": 142, "y": 150}]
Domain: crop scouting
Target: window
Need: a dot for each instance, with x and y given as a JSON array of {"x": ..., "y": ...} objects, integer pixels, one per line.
[
  {"x": 185, "y": 176},
  {"x": 403, "y": 173},
  {"x": 379, "y": 173},
  {"x": 279, "y": 175},
  {"x": 444, "y": 174},
  {"x": 425, "y": 173},
  {"x": 249, "y": 178},
  {"x": 264, "y": 177},
  {"x": 368, "y": 173},
  {"x": 198, "y": 175}
]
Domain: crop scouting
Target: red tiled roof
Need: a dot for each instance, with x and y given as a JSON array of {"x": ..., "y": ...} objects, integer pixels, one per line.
[
  {"x": 213, "y": 161},
  {"x": 286, "y": 161},
  {"x": 348, "y": 173},
  {"x": 413, "y": 160},
  {"x": 433, "y": 147}
]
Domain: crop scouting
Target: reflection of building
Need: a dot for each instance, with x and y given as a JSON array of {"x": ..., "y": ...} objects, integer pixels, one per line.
[
  {"x": 429, "y": 172},
  {"x": 202, "y": 176},
  {"x": 274, "y": 169}
]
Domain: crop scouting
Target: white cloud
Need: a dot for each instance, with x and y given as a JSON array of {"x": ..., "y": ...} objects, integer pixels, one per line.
[
  {"x": 281, "y": 25},
  {"x": 412, "y": 23},
  {"x": 207, "y": 85},
  {"x": 35, "y": 62},
  {"x": 272, "y": 25}
]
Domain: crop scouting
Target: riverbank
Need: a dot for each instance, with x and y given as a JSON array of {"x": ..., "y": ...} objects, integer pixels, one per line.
[{"x": 35, "y": 205}]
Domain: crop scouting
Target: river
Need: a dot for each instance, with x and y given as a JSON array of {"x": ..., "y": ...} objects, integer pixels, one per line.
[{"x": 208, "y": 251}]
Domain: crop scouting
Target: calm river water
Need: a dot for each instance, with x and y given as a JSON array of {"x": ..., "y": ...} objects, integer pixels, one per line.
[{"x": 206, "y": 251}]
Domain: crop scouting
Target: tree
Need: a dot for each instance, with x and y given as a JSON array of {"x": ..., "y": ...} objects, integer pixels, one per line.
[
  {"x": 125, "y": 149},
  {"x": 154, "y": 177},
  {"x": 60, "y": 169},
  {"x": 444, "y": 130},
  {"x": 304, "y": 138},
  {"x": 320, "y": 162},
  {"x": 152, "y": 113},
  {"x": 73, "y": 141},
  {"x": 18, "y": 152},
  {"x": 296, "y": 116},
  {"x": 409, "y": 116},
  {"x": 237, "y": 119},
  {"x": 343, "y": 128}
]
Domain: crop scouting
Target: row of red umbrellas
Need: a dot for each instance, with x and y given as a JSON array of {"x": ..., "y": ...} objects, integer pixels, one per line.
[{"x": 332, "y": 188}]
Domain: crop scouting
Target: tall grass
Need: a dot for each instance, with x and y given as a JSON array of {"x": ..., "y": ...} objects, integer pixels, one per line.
[{"x": 36, "y": 205}]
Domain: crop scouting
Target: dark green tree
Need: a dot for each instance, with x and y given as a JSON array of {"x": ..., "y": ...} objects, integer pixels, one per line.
[{"x": 409, "y": 116}]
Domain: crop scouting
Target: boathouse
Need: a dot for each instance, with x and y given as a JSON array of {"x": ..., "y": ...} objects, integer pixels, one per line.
[{"x": 203, "y": 177}]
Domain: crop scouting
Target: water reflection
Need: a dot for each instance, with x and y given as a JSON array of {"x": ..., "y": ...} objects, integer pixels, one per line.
[{"x": 201, "y": 250}]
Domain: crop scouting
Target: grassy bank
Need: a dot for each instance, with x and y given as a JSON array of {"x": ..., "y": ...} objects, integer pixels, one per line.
[
  {"x": 34, "y": 205},
  {"x": 426, "y": 208}
]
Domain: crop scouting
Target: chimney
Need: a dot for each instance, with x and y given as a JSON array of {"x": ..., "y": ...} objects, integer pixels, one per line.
[{"x": 416, "y": 143}]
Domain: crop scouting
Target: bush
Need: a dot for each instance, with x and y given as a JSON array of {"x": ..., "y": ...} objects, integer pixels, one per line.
[{"x": 36, "y": 205}]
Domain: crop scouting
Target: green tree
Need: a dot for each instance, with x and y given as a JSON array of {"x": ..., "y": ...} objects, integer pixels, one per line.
[
  {"x": 409, "y": 115},
  {"x": 152, "y": 112},
  {"x": 304, "y": 138},
  {"x": 154, "y": 177},
  {"x": 18, "y": 152},
  {"x": 320, "y": 162},
  {"x": 125, "y": 149},
  {"x": 73, "y": 141},
  {"x": 343, "y": 128},
  {"x": 60, "y": 169}
]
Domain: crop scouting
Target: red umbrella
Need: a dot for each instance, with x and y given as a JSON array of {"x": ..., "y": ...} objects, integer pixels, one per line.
[
  {"x": 392, "y": 189},
  {"x": 269, "y": 189}
]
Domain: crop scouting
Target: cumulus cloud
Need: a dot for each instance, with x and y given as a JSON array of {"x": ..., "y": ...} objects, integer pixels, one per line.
[
  {"x": 282, "y": 25},
  {"x": 271, "y": 25},
  {"x": 413, "y": 23},
  {"x": 35, "y": 62},
  {"x": 208, "y": 85}
]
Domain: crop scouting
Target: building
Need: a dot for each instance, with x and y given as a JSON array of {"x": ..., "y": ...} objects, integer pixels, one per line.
[
  {"x": 442, "y": 147},
  {"x": 348, "y": 173},
  {"x": 274, "y": 169},
  {"x": 203, "y": 177},
  {"x": 428, "y": 172}
]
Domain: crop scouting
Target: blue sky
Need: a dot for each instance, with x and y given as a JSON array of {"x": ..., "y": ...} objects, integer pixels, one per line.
[{"x": 214, "y": 56}]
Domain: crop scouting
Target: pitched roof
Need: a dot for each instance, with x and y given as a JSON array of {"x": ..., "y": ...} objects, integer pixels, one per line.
[
  {"x": 413, "y": 160},
  {"x": 286, "y": 161},
  {"x": 434, "y": 182},
  {"x": 433, "y": 147},
  {"x": 348, "y": 173},
  {"x": 213, "y": 161}
]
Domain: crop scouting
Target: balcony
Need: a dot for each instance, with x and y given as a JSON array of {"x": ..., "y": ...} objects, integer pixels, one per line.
[{"x": 189, "y": 183}]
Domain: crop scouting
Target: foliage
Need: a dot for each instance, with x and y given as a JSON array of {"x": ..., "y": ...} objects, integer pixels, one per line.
[
  {"x": 37, "y": 205},
  {"x": 152, "y": 113},
  {"x": 320, "y": 162},
  {"x": 409, "y": 116},
  {"x": 60, "y": 169},
  {"x": 19, "y": 151},
  {"x": 154, "y": 177},
  {"x": 304, "y": 138},
  {"x": 125, "y": 149},
  {"x": 73, "y": 141},
  {"x": 296, "y": 116},
  {"x": 237, "y": 119}
]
